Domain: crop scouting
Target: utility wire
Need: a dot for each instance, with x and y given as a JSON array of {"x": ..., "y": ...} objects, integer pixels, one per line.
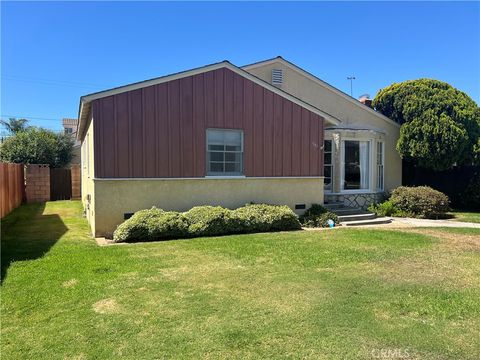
[
  {"x": 29, "y": 117},
  {"x": 52, "y": 82}
]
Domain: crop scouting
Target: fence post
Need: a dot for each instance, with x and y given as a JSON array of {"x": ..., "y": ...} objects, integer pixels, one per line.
[{"x": 75, "y": 174}]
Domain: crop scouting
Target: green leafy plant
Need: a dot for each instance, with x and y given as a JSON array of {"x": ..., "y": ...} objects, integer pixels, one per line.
[
  {"x": 209, "y": 221},
  {"x": 384, "y": 209},
  {"x": 37, "y": 146},
  {"x": 440, "y": 124},
  {"x": 150, "y": 225},
  {"x": 156, "y": 224},
  {"x": 420, "y": 201},
  {"x": 263, "y": 217},
  {"x": 317, "y": 216}
]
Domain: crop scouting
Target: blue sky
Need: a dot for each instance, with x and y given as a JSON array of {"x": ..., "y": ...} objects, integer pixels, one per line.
[{"x": 52, "y": 53}]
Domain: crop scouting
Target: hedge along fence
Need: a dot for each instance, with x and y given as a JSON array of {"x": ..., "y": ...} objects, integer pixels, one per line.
[{"x": 12, "y": 187}]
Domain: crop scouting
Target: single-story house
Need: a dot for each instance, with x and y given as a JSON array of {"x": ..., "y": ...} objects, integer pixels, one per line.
[{"x": 269, "y": 132}]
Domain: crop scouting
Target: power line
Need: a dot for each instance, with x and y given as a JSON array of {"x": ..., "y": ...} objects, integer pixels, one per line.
[
  {"x": 29, "y": 117},
  {"x": 52, "y": 82}
]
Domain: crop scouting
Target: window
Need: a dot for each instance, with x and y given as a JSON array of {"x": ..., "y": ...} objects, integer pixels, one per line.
[
  {"x": 224, "y": 152},
  {"x": 68, "y": 130},
  {"x": 380, "y": 160},
  {"x": 327, "y": 164},
  {"x": 356, "y": 165}
]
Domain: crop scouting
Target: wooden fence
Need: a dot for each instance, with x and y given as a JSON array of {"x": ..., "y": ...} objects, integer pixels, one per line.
[{"x": 12, "y": 187}]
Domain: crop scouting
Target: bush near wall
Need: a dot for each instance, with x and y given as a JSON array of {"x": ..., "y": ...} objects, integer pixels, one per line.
[
  {"x": 417, "y": 201},
  {"x": 318, "y": 216},
  {"x": 157, "y": 224}
]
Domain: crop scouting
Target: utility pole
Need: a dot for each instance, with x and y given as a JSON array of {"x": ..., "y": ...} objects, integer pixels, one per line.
[{"x": 351, "y": 78}]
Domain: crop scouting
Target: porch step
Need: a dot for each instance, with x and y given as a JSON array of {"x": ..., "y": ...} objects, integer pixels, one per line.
[
  {"x": 375, "y": 221},
  {"x": 356, "y": 217},
  {"x": 348, "y": 211},
  {"x": 333, "y": 205}
]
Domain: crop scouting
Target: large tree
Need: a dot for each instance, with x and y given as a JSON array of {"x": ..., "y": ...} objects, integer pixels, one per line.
[
  {"x": 440, "y": 124},
  {"x": 14, "y": 125},
  {"x": 38, "y": 146}
]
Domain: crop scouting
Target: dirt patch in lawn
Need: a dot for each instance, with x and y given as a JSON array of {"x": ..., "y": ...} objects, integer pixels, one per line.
[
  {"x": 70, "y": 283},
  {"x": 443, "y": 263},
  {"x": 106, "y": 306}
]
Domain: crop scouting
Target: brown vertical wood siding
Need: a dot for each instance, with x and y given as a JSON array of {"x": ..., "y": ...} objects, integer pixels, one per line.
[{"x": 159, "y": 131}]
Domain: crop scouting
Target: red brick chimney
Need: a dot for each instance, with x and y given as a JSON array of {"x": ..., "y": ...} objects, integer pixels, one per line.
[{"x": 365, "y": 100}]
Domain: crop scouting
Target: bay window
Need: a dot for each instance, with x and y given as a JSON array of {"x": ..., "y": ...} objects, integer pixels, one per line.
[
  {"x": 380, "y": 161},
  {"x": 327, "y": 165},
  {"x": 356, "y": 165}
]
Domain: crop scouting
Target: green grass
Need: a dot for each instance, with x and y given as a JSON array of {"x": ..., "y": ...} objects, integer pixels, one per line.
[
  {"x": 337, "y": 294},
  {"x": 466, "y": 216}
]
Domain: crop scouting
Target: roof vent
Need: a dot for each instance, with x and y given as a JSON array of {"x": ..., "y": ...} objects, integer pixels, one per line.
[{"x": 277, "y": 77}]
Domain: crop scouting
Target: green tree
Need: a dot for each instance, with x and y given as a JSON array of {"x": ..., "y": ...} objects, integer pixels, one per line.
[
  {"x": 38, "y": 146},
  {"x": 440, "y": 124},
  {"x": 14, "y": 126}
]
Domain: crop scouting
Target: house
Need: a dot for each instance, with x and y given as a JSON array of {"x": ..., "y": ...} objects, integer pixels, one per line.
[
  {"x": 70, "y": 128},
  {"x": 268, "y": 132}
]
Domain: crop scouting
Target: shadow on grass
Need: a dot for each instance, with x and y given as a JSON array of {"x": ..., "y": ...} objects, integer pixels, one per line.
[{"x": 27, "y": 234}]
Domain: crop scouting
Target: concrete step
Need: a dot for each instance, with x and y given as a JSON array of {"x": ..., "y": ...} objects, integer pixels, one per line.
[
  {"x": 376, "y": 221},
  {"x": 357, "y": 217},
  {"x": 348, "y": 211},
  {"x": 333, "y": 205}
]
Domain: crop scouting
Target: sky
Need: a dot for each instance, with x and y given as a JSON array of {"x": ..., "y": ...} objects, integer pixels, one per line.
[{"x": 54, "y": 52}]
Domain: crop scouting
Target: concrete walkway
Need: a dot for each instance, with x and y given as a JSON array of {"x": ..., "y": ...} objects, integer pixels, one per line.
[{"x": 412, "y": 223}]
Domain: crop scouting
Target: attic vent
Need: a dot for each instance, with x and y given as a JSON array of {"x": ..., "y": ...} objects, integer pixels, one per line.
[{"x": 277, "y": 77}]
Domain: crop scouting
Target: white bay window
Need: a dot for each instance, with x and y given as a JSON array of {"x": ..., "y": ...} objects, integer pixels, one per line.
[{"x": 355, "y": 165}]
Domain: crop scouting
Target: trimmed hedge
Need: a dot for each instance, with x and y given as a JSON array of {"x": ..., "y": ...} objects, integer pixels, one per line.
[
  {"x": 263, "y": 218},
  {"x": 420, "y": 201},
  {"x": 156, "y": 224},
  {"x": 318, "y": 216},
  {"x": 417, "y": 201},
  {"x": 150, "y": 225}
]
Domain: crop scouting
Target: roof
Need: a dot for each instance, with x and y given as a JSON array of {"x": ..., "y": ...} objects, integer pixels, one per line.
[
  {"x": 66, "y": 121},
  {"x": 320, "y": 82},
  {"x": 85, "y": 101}
]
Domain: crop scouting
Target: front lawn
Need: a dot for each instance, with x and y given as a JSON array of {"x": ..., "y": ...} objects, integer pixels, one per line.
[
  {"x": 339, "y": 294},
  {"x": 466, "y": 216}
]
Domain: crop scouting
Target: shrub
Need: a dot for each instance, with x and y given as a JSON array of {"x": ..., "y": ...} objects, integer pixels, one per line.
[
  {"x": 384, "y": 209},
  {"x": 150, "y": 225},
  {"x": 209, "y": 221},
  {"x": 156, "y": 224},
  {"x": 312, "y": 213},
  {"x": 420, "y": 201},
  {"x": 262, "y": 218},
  {"x": 318, "y": 216},
  {"x": 470, "y": 198}
]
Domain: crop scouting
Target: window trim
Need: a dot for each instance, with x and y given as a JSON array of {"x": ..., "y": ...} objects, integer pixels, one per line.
[
  {"x": 225, "y": 174},
  {"x": 332, "y": 162},
  {"x": 377, "y": 165}
]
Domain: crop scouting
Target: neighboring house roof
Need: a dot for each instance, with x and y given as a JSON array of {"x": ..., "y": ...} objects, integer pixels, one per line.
[
  {"x": 320, "y": 82},
  {"x": 67, "y": 121},
  {"x": 85, "y": 101}
]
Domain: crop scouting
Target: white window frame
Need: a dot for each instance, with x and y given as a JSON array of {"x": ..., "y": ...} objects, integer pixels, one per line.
[
  {"x": 342, "y": 167},
  {"x": 380, "y": 167},
  {"x": 331, "y": 165},
  {"x": 225, "y": 174}
]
